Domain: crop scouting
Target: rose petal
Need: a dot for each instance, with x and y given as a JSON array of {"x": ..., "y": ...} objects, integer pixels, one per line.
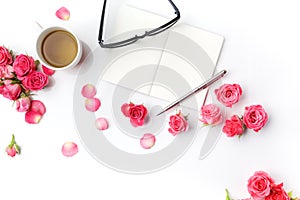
[
  {"x": 147, "y": 141},
  {"x": 88, "y": 91},
  {"x": 125, "y": 109},
  {"x": 63, "y": 13},
  {"x": 47, "y": 71},
  {"x": 92, "y": 104},
  {"x": 32, "y": 117},
  {"x": 101, "y": 123},
  {"x": 69, "y": 149},
  {"x": 38, "y": 106}
]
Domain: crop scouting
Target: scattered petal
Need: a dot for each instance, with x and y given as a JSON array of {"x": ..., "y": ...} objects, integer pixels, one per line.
[
  {"x": 69, "y": 149},
  {"x": 147, "y": 141},
  {"x": 63, "y": 13},
  {"x": 101, "y": 123},
  {"x": 88, "y": 91},
  {"x": 125, "y": 109},
  {"x": 47, "y": 71},
  {"x": 32, "y": 117},
  {"x": 38, "y": 106},
  {"x": 92, "y": 104}
]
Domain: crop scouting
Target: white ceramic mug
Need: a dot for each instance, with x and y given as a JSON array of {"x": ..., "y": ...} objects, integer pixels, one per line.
[{"x": 58, "y": 48}]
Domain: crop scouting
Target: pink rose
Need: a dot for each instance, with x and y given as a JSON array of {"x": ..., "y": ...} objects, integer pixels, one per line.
[
  {"x": 210, "y": 114},
  {"x": 278, "y": 193},
  {"x": 11, "y": 91},
  {"x": 229, "y": 94},
  {"x": 5, "y": 57},
  {"x": 35, "y": 81},
  {"x": 23, "y": 104},
  {"x": 11, "y": 151},
  {"x": 255, "y": 117},
  {"x": 23, "y": 65},
  {"x": 6, "y": 71},
  {"x": 13, "y": 148},
  {"x": 233, "y": 126},
  {"x": 259, "y": 185},
  {"x": 136, "y": 113},
  {"x": 178, "y": 124}
]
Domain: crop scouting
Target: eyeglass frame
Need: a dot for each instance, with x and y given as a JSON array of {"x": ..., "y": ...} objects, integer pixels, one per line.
[{"x": 136, "y": 37}]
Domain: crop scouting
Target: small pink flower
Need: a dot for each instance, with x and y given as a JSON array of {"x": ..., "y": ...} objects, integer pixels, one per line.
[
  {"x": 6, "y": 71},
  {"x": 229, "y": 94},
  {"x": 255, "y": 117},
  {"x": 259, "y": 185},
  {"x": 23, "y": 104},
  {"x": 88, "y": 91},
  {"x": 11, "y": 91},
  {"x": 63, "y": 13},
  {"x": 233, "y": 126},
  {"x": 92, "y": 104},
  {"x": 13, "y": 148},
  {"x": 23, "y": 66},
  {"x": 178, "y": 124},
  {"x": 210, "y": 114},
  {"x": 101, "y": 123},
  {"x": 136, "y": 113},
  {"x": 47, "y": 71},
  {"x": 147, "y": 141},
  {"x": 35, "y": 81},
  {"x": 5, "y": 56},
  {"x": 277, "y": 193},
  {"x": 69, "y": 149}
]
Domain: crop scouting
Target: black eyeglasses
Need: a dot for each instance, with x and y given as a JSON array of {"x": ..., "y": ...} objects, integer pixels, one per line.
[{"x": 136, "y": 37}]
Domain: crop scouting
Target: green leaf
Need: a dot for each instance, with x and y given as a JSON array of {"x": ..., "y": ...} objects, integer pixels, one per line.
[{"x": 290, "y": 194}]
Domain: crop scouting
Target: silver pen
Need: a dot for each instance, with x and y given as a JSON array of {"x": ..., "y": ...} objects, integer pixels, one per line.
[{"x": 194, "y": 91}]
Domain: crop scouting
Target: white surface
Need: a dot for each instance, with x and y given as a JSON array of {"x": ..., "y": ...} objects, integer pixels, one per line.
[{"x": 260, "y": 52}]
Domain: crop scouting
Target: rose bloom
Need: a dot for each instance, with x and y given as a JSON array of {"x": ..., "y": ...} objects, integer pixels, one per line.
[
  {"x": 278, "y": 193},
  {"x": 233, "y": 126},
  {"x": 5, "y": 57},
  {"x": 11, "y": 91},
  {"x": 178, "y": 124},
  {"x": 11, "y": 151},
  {"x": 23, "y": 65},
  {"x": 255, "y": 117},
  {"x": 23, "y": 104},
  {"x": 259, "y": 185},
  {"x": 210, "y": 114},
  {"x": 229, "y": 94},
  {"x": 6, "y": 71},
  {"x": 136, "y": 113},
  {"x": 35, "y": 81}
]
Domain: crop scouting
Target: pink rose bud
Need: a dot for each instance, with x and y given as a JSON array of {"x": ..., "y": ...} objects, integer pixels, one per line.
[
  {"x": 23, "y": 104},
  {"x": 210, "y": 114},
  {"x": 233, "y": 126},
  {"x": 92, "y": 104},
  {"x": 229, "y": 94},
  {"x": 69, "y": 149},
  {"x": 88, "y": 91},
  {"x": 12, "y": 149},
  {"x": 63, "y": 13},
  {"x": 178, "y": 124},
  {"x": 101, "y": 123},
  {"x": 47, "y": 71},
  {"x": 147, "y": 141}
]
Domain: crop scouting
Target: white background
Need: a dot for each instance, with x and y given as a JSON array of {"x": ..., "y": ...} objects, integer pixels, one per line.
[{"x": 261, "y": 53}]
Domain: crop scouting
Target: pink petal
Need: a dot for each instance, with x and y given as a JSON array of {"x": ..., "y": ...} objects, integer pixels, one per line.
[
  {"x": 147, "y": 141},
  {"x": 92, "y": 104},
  {"x": 125, "y": 109},
  {"x": 63, "y": 13},
  {"x": 38, "y": 106},
  {"x": 101, "y": 123},
  {"x": 32, "y": 117},
  {"x": 88, "y": 91},
  {"x": 47, "y": 71},
  {"x": 69, "y": 149}
]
